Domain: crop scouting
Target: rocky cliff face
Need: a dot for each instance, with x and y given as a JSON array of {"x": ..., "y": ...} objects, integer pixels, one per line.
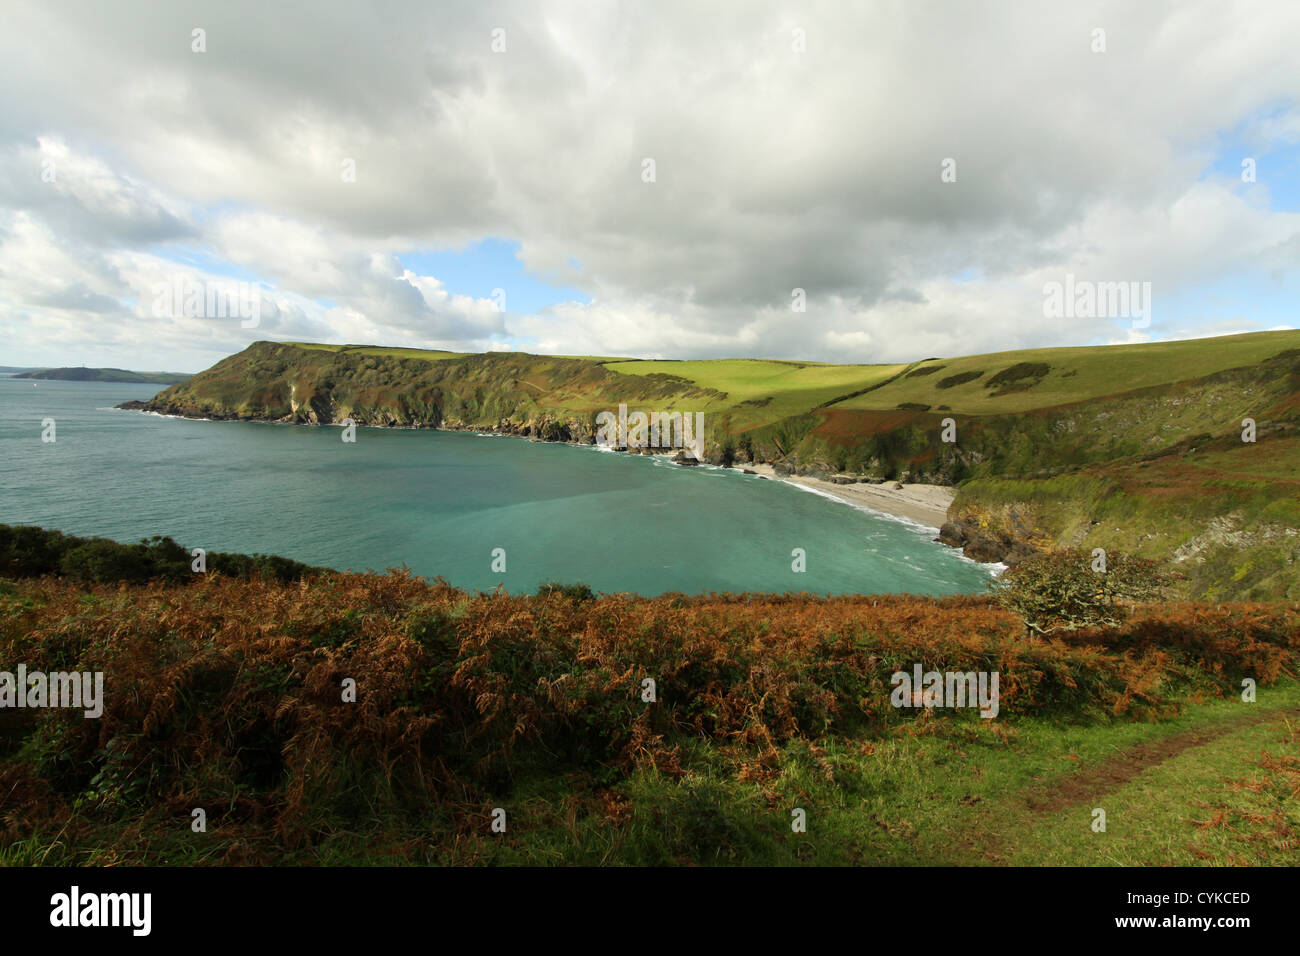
[
  {"x": 986, "y": 544},
  {"x": 539, "y": 397}
]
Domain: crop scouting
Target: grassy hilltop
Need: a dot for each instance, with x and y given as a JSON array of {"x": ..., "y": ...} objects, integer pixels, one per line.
[{"x": 1136, "y": 447}]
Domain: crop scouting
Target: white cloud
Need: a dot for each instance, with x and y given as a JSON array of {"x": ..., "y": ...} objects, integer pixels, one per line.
[{"x": 775, "y": 169}]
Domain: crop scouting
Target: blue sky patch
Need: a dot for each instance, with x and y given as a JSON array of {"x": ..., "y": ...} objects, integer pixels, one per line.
[
  {"x": 205, "y": 261},
  {"x": 491, "y": 264},
  {"x": 1277, "y": 160}
]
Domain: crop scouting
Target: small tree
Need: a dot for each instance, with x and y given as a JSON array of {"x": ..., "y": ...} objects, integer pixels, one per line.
[{"x": 1061, "y": 591}]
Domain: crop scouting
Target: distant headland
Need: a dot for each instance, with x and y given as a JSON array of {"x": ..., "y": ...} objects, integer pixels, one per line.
[{"x": 83, "y": 374}]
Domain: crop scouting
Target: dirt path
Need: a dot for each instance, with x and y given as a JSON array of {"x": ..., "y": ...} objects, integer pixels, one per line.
[{"x": 1089, "y": 785}]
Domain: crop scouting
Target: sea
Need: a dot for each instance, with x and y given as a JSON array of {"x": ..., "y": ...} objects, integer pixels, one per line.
[{"x": 480, "y": 511}]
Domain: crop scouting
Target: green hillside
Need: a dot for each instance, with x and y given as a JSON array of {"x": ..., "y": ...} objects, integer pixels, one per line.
[
  {"x": 759, "y": 391},
  {"x": 1061, "y": 375},
  {"x": 429, "y": 355},
  {"x": 82, "y": 374},
  {"x": 1134, "y": 447}
]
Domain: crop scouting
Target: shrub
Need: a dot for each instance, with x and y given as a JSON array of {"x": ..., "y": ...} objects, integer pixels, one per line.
[
  {"x": 101, "y": 561},
  {"x": 1018, "y": 377},
  {"x": 959, "y": 379},
  {"x": 575, "y": 592},
  {"x": 27, "y": 551},
  {"x": 1064, "y": 590}
]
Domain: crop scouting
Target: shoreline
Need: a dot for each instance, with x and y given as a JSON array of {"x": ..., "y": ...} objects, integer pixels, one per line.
[{"x": 923, "y": 504}]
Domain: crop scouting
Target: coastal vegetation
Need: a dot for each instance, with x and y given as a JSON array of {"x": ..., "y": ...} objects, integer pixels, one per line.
[
  {"x": 1072, "y": 590},
  {"x": 27, "y": 551},
  {"x": 232, "y": 696}
]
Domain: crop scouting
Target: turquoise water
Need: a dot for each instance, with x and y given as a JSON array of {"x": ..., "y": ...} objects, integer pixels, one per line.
[{"x": 440, "y": 502}]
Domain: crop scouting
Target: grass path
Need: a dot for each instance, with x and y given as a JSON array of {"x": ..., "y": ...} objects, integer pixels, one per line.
[{"x": 1225, "y": 790}]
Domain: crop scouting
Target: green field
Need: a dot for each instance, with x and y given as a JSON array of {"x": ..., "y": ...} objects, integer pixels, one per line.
[
  {"x": 1076, "y": 374},
  {"x": 795, "y": 386},
  {"x": 429, "y": 355},
  {"x": 971, "y": 795}
]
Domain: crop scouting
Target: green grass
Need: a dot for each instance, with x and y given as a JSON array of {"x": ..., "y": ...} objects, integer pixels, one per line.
[
  {"x": 1233, "y": 506},
  {"x": 948, "y": 792},
  {"x": 776, "y": 389},
  {"x": 1076, "y": 373},
  {"x": 792, "y": 383},
  {"x": 1214, "y": 804},
  {"x": 429, "y": 355},
  {"x": 934, "y": 791}
]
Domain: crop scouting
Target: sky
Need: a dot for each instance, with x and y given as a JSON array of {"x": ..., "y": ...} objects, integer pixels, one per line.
[{"x": 645, "y": 179}]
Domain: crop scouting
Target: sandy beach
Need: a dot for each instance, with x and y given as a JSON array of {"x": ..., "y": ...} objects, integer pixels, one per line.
[{"x": 926, "y": 504}]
